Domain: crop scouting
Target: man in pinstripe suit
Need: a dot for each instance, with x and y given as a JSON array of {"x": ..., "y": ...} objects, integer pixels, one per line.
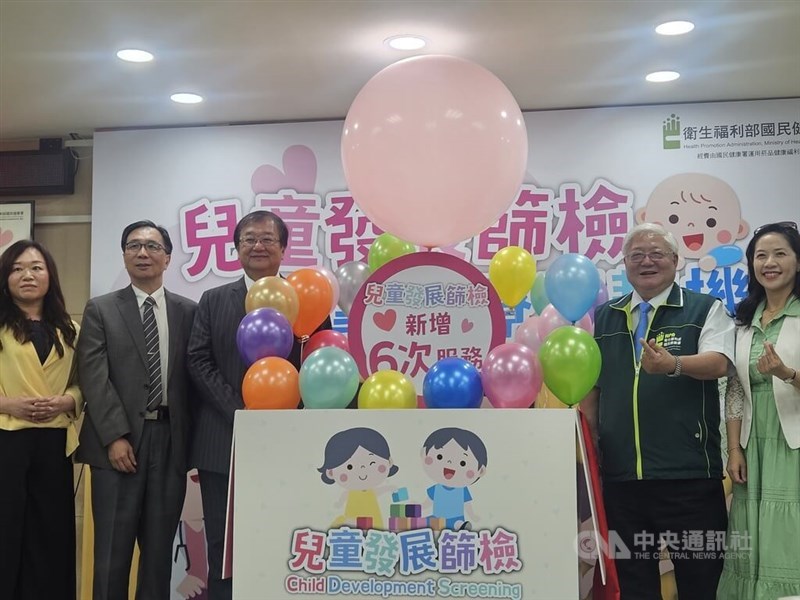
[{"x": 260, "y": 239}]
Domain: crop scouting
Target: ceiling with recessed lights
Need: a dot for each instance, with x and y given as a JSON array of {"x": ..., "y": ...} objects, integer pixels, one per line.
[{"x": 266, "y": 61}]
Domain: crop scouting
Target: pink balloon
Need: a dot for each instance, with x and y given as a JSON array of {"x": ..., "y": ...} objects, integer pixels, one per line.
[
  {"x": 527, "y": 333},
  {"x": 334, "y": 284},
  {"x": 602, "y": 297},
  {"x": 511, "y": 376},
  {"x": 551, "y": 319},
  {"x": 321, "y": 339},
  {"x": 434, "y": 149}
]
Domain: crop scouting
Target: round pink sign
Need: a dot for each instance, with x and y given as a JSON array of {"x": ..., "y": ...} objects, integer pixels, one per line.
[{"x": 420, "y": 308}]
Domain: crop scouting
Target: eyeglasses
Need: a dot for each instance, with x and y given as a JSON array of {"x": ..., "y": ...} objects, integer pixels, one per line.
[
  {"x": 656, "y": 256},
  {"x": 250, "y": 242},
  {"x": 789, "y": 224},
  {"x": 150, "y": 247}
]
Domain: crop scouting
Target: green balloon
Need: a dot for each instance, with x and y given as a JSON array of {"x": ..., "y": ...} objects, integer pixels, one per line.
[
  {"x": 385, "y": 248},
  {"x": 539, "y": 299},
  {"x": 328, "y": 378},
  {"x": 570, "y": 360}
]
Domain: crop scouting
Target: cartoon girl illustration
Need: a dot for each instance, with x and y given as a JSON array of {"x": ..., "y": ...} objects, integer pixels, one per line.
[{"x": 358, "y": 460}]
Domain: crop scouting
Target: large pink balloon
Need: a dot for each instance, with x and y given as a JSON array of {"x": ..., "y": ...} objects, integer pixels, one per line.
[
  {"x": 551, "y": 319},
  {"x": 434, "y": 149},
  {"x": 511, "y": 376}
]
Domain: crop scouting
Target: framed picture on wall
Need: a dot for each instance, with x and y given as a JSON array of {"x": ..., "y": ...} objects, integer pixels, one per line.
[{"x": 16, "y": 223}]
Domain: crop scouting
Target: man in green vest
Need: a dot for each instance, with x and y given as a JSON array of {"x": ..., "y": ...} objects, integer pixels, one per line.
[{"x": 655, "y": 415}]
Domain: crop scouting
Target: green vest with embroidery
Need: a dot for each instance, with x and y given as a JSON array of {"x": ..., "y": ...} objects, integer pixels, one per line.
[{"x": 654, "y": 426}]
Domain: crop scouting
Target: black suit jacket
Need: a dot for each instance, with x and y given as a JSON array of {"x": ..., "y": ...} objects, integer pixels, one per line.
[
  {"x": 112, "y": 367},
  {"x": 218, "y": 370}
]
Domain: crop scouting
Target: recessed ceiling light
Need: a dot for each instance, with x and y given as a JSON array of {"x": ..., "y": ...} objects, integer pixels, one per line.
[
  {"x": 186, "y": 98},
  {"x": 405, "y": 42},
  {"x": 675, "y": 27},
  {"x": 134, "y": 55},
  {"x": 662, "y": 76}
]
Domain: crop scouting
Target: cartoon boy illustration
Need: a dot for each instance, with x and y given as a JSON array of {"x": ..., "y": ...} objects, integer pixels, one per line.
[
  {"x": 704, "y": 215},
  {"x": 359, "y": 461},
  {"x": 453, "y": 458}
]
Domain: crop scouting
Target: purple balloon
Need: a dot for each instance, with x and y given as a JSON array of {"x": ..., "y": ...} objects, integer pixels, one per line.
[
  {"x": 511, "y": 376},
  {"x": 264, "y": 332},
  {"x": 602, "y": 297}
]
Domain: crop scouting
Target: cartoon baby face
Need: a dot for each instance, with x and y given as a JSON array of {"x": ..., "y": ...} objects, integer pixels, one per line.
[
  {"x": 700, "y": 210},
  {"x": 363, "y": 471},
  {"x": 451, "y": 465}
]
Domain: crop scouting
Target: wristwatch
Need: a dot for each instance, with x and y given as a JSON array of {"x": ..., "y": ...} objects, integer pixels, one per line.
[
  {"x": 678, "y": 368},
  {"x": 791, "y": 379}
]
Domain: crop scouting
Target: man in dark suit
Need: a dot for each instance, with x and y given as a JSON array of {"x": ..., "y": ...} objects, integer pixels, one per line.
[
  {"x": 217, "y": 369},
  {"x": 132, "y": 369}
]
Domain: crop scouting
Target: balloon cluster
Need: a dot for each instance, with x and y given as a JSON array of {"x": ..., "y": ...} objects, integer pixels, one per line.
[
  {"x": 278, "y": 310},
  {"x": 562, "y": 352},
  {"x": 434, "y": 150}
]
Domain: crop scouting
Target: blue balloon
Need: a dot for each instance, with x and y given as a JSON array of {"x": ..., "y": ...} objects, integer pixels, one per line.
[
  {"x": 452, "y": 383},
  {"x": 264, "y": 332},
  {"x": 572, "y": 284},
  {"x": 726, "y": 255}
]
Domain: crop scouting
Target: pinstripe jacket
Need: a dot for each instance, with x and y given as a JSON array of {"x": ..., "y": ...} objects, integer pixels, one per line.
[{"x": 217, "y": 370}]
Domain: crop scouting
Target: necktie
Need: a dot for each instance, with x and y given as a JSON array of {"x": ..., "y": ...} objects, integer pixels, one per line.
[
  {"x": 641, "y": 328},
  {"x": 153, "y": 354}
]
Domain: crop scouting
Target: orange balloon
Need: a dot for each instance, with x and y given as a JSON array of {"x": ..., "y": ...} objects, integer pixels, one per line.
[
  {"x": 271, "y": 383},
  {"x": 315, "y": 296},
  {"x": 273, "y": 292}
]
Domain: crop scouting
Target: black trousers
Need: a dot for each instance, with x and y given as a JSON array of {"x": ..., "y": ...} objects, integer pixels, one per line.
[
  {"x": 37, "y": 516},
  {"x": 214, "y": 490},
  {"x": 689, "y": 515}
]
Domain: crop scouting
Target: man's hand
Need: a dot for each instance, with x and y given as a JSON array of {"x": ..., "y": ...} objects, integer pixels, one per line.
[
  {"x": 656, "y": 360},
  {"x": 120, "y": 453}
]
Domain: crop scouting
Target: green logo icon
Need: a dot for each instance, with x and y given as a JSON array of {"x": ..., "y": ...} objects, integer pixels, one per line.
[{"x": 671, "y": 132}]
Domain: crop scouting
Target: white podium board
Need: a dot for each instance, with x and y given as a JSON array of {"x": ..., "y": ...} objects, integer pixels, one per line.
[{"x": 373, "y": 504}]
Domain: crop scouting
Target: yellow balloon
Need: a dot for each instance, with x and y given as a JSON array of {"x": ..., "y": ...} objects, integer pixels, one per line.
[
  {"x": 512, "y": 272},
  {"x": 387, "y": 389},
  {"x": 273, "y": 292},
  {"x": 546, "y": 399}
]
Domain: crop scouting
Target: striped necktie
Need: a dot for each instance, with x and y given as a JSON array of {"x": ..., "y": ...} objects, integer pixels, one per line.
[{"x": 155, "y": 394}]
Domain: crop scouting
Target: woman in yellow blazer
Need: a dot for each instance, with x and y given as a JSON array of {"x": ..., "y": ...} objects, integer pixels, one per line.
[{"x": 39, "y": 403}]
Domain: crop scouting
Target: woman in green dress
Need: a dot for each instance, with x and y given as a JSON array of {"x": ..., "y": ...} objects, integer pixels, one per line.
[{"x": 762, "y": 560}]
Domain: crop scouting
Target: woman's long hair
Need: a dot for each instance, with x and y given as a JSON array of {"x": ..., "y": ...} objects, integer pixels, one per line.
[
  {"x": 746, "y": 309},
  {"x": 54, "y": 311}
]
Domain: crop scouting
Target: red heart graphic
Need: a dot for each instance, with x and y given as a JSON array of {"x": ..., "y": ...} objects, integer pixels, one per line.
[
  {"x": 299, "y": 173},
  {"x": 466, "y": 325},
  {"x": 6, "y": 236},
  {"x": 385, "y": 320}
]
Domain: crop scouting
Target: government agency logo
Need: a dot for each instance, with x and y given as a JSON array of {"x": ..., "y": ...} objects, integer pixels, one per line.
[
  {"x": 669, "y": 341},
  {"x": 671, "y": 132}
]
